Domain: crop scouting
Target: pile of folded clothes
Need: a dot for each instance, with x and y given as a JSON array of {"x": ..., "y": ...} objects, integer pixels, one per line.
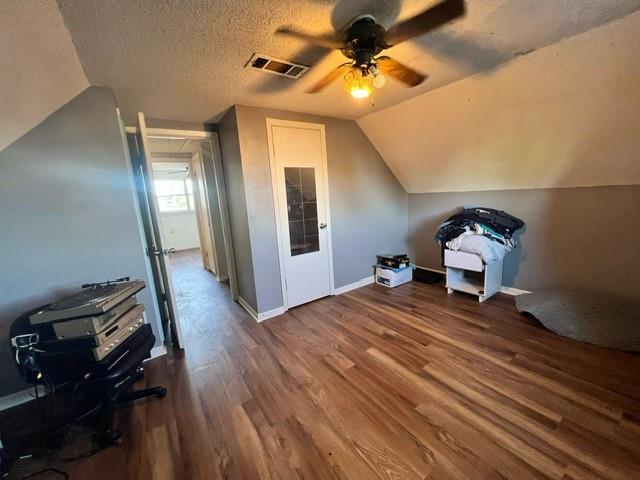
[{"x": 484, "y": 231}]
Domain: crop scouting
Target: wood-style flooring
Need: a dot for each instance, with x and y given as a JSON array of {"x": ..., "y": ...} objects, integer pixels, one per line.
[{"x": 404, "y": 383}]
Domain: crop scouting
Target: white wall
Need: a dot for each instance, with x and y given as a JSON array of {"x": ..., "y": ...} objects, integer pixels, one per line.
[
  {"x": 563, "y": 116},
  {"x": 179, "y": 230},
  {"x": 40, "y": 69}
]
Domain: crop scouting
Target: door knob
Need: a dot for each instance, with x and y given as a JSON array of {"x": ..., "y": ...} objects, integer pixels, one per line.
[
  {"x": 168, "y": 251},
  {"x": 322, "y": 226}
]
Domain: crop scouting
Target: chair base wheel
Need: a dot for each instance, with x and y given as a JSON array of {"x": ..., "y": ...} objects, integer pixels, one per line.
[{"x": 107, "y": 439}]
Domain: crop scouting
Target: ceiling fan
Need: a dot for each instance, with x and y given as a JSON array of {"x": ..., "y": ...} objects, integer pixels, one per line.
[{"x": 364, "y": 40}]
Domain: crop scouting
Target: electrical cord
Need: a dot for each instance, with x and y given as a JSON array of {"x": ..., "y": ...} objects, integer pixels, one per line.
[
  {"x": 65, "y": 460},
  {"x": 74, "y": 394},
  {"x": 65, "y": 429}
]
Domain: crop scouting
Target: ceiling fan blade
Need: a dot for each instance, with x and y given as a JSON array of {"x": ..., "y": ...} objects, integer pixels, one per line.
[
  {"x": 424, "y": 22},
  {"x": 327, "y": 41},
  {"x": 329, "y": 78},
  {"x": 401, "y": 72}
]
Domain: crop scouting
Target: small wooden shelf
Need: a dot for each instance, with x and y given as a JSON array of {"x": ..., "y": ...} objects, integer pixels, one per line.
[
  {"x": 486, "y": 282},
  {"x": 467, "y": 287}
]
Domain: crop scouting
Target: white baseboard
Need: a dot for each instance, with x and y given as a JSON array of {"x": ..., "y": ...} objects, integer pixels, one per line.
[
  {"x": 158, "y": 351},
  {"x": 352, "y": 286},
  {"x": 18, "y": 398},
  {"x": 271, "y": 313},
  {"x": 513, "y": 291},
  {"x": 435, "y": 270},
  {"x": 262, "y": 316},
  {"x": 249, "y": 309}
]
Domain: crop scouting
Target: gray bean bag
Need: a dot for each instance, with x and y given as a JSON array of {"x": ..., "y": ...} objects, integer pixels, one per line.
[{"x": 598, "y": 318}]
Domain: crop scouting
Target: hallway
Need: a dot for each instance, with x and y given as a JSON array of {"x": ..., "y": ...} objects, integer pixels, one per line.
[{"x": 201, "y": 299}]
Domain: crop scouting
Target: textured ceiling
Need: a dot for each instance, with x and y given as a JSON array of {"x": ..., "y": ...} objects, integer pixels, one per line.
[
  {"x": 39, "y": 68},
  {"x": 184, "y": 60}
]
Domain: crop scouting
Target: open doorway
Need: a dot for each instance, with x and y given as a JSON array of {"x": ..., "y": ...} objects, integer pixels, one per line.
[
  {"x": 186, "y": 226},
  {"x": 183, "y": 207}
]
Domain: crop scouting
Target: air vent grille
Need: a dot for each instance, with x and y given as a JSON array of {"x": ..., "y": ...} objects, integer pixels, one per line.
[{"x": 278, "y": 66}]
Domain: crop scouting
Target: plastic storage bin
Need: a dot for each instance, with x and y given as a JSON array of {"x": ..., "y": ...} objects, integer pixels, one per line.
[{"x": 392, "y": 277}]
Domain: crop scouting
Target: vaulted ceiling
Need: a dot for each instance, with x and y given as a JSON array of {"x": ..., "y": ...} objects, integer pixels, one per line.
[
  {"x": 501, "y": 122},
  {"x": 39, "y": 68},
  {"x": 184, "y": 60},
  {"x": 566, "y": 115}
]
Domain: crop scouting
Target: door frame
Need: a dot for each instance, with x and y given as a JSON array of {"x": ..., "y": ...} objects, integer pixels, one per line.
[
  {"x": 221, "y": 192},
  {"x": 203, "y": 214},
  {"x": 155, "y": 249},
  {"x": 198, "y": 209},
  {"x": 271, "y": 122}
]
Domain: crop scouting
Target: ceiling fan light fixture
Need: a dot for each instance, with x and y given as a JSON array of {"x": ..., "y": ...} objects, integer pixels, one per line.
[
  {"x": 358, "y": 84},
  {"x": 363, "y": 41},
  {"x": 378, "y": 78}
]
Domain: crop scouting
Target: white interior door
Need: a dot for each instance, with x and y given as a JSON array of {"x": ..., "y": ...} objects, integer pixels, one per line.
[
  {"x": 155, "y": 249},
  {"x": 298, "y": 164}
]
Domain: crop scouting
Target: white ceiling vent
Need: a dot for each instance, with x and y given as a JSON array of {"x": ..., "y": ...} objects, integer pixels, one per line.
[{"x": 278, "y": 66}]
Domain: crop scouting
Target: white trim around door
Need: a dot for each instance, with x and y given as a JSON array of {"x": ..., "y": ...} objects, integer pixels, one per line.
[
  {"x": 273, "y": 122},
  {"x": 220, "y": 188},
  {"x": 170, "y": 132}
]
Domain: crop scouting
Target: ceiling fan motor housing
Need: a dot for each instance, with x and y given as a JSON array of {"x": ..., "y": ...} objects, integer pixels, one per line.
[{"x": 364, "y": 40}]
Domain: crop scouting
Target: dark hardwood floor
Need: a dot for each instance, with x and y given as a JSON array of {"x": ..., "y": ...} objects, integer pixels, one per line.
[{"x": 404, "y": 383}]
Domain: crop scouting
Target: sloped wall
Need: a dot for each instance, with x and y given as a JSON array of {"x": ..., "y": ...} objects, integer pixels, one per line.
[
  {"x": 68, "y": 215},
  {"x": 551, "y": 138},
  {"x": 40, "y": 70},
  {"x": 564, "y": 116}
]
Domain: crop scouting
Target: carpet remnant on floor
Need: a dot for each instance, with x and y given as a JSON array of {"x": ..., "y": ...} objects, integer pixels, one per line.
[{"x": 592, "y": 317}]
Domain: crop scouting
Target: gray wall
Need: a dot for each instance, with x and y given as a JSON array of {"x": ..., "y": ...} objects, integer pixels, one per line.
[
  {"x": 575, "y": 237},
  {"x": 237, "y": 206},
  {"x": 67, "y": 214},
  {"x": 214, "y": 209},
  {"x": 368, "y": 204}
]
